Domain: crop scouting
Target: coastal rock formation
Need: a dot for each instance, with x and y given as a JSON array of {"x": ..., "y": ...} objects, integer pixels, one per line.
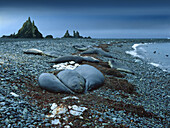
[
  {"x": 49, "y": 37},
  {"x": 75, "y": 35},
  {"x": 67, "y": 35},
  {"x": 28, "y": 30}
]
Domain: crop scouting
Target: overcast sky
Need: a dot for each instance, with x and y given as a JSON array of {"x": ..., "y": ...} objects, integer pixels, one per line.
[{"x": 95, "y": 18}]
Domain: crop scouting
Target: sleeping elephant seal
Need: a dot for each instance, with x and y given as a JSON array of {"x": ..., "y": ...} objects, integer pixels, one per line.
[
  {"x": 80, "y": 80},
  {"x": 51, "y": 83},
  {"x": 94, "y": 78},
  {"x": 97, "y": 51},
  {"x": 75, "y": 58},
  {"x": 33, "y": 51},
  {"x": 119, "y": 67},
  {"x": 73, "y": 80}
]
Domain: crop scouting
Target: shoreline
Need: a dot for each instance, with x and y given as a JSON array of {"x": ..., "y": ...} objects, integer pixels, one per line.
[{"x": 146, "y": 81}]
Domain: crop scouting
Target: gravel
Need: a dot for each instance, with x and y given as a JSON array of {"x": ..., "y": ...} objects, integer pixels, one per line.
[{"x": 152, "y": 85}]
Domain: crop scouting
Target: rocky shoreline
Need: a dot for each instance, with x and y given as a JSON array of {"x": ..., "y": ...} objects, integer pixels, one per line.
[{"x": 125, "y": 100}]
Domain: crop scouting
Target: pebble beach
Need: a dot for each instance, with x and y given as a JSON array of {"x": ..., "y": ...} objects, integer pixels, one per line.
[{"x": 130, "y": 100}]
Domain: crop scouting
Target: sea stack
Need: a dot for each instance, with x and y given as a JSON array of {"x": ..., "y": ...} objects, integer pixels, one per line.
[
  {"x": 28, "y": 30},
  {"x": 75, "y": 35}
]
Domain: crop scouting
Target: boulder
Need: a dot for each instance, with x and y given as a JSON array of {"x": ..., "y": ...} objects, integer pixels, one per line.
[{"x": 49, "y": 37}]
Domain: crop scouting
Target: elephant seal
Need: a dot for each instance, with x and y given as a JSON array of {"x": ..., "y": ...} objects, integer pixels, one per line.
[
  {"x": 80, "y": 80},
  {"x": 90, "y": 59},
  {"x": 80, "y": 47},
  {"x": 94, "y": 78},
  {"x": 51, "y": 83},
  {"x": 33, "y": 51},
  {"x": 73, "y": 80},
  {"x": 76, "y": 59},
  {"x": 119, "y": 66},
  {"x": 39, "y": 52},
  {"x": 98, "y": 51}
]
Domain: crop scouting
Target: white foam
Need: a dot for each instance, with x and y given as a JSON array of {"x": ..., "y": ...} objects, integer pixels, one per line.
[
  {"x": 134, "y": 52},
  {"x": 135, "y": 46},
  {"x": 155, "y": 64}
]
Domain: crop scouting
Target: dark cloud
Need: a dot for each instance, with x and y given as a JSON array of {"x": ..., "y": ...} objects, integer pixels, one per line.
[
  {"x": 110, "y": 17},
  {"x": 86, "y": 3}
]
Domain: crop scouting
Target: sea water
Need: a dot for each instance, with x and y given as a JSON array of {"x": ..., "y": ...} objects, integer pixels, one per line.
[{"x": 157, "y": 54}]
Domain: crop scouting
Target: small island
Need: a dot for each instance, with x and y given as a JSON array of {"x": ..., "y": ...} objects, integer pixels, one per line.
[
  {"x": 28, "y": 30},
  {"x": 75, "y": 35}
]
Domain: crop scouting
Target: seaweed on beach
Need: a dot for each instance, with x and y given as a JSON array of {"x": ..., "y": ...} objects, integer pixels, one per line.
[{"x": 91, "y": 100}]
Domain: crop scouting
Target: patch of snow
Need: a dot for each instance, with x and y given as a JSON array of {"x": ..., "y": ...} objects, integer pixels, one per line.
[
  {"x": 55, "y": 121},
  {"x": 14, "y": 94},
  {"x": 54, "y": 105},
  {"x": 66, "y": 65},
  {"x": 70, "y": 97},
  {"x": 67, "y": 126},
  {"x": 78, "y": 108}
]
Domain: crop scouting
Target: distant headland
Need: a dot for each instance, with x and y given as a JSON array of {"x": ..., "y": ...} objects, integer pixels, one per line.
[{"x": 29, "y": 30}]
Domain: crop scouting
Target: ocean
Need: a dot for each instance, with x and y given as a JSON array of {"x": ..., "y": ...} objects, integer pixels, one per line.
[{"x": 157, "y": 54}]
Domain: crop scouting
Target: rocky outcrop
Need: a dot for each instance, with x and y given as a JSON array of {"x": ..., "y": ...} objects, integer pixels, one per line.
[
  {"x": 49, "y": 37},
  {"x": 28, "y": 30},
  {"x": 67, "y": 35},
  {"x": 75, "y": 35}
]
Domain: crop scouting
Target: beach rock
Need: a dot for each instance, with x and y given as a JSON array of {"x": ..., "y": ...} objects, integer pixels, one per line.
[
  {"x": 87, "y": 37},
  {"x": 51, "y": 83},
  {"x": 94, "y": 78},
  {"x": 72, "y": 80}
]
